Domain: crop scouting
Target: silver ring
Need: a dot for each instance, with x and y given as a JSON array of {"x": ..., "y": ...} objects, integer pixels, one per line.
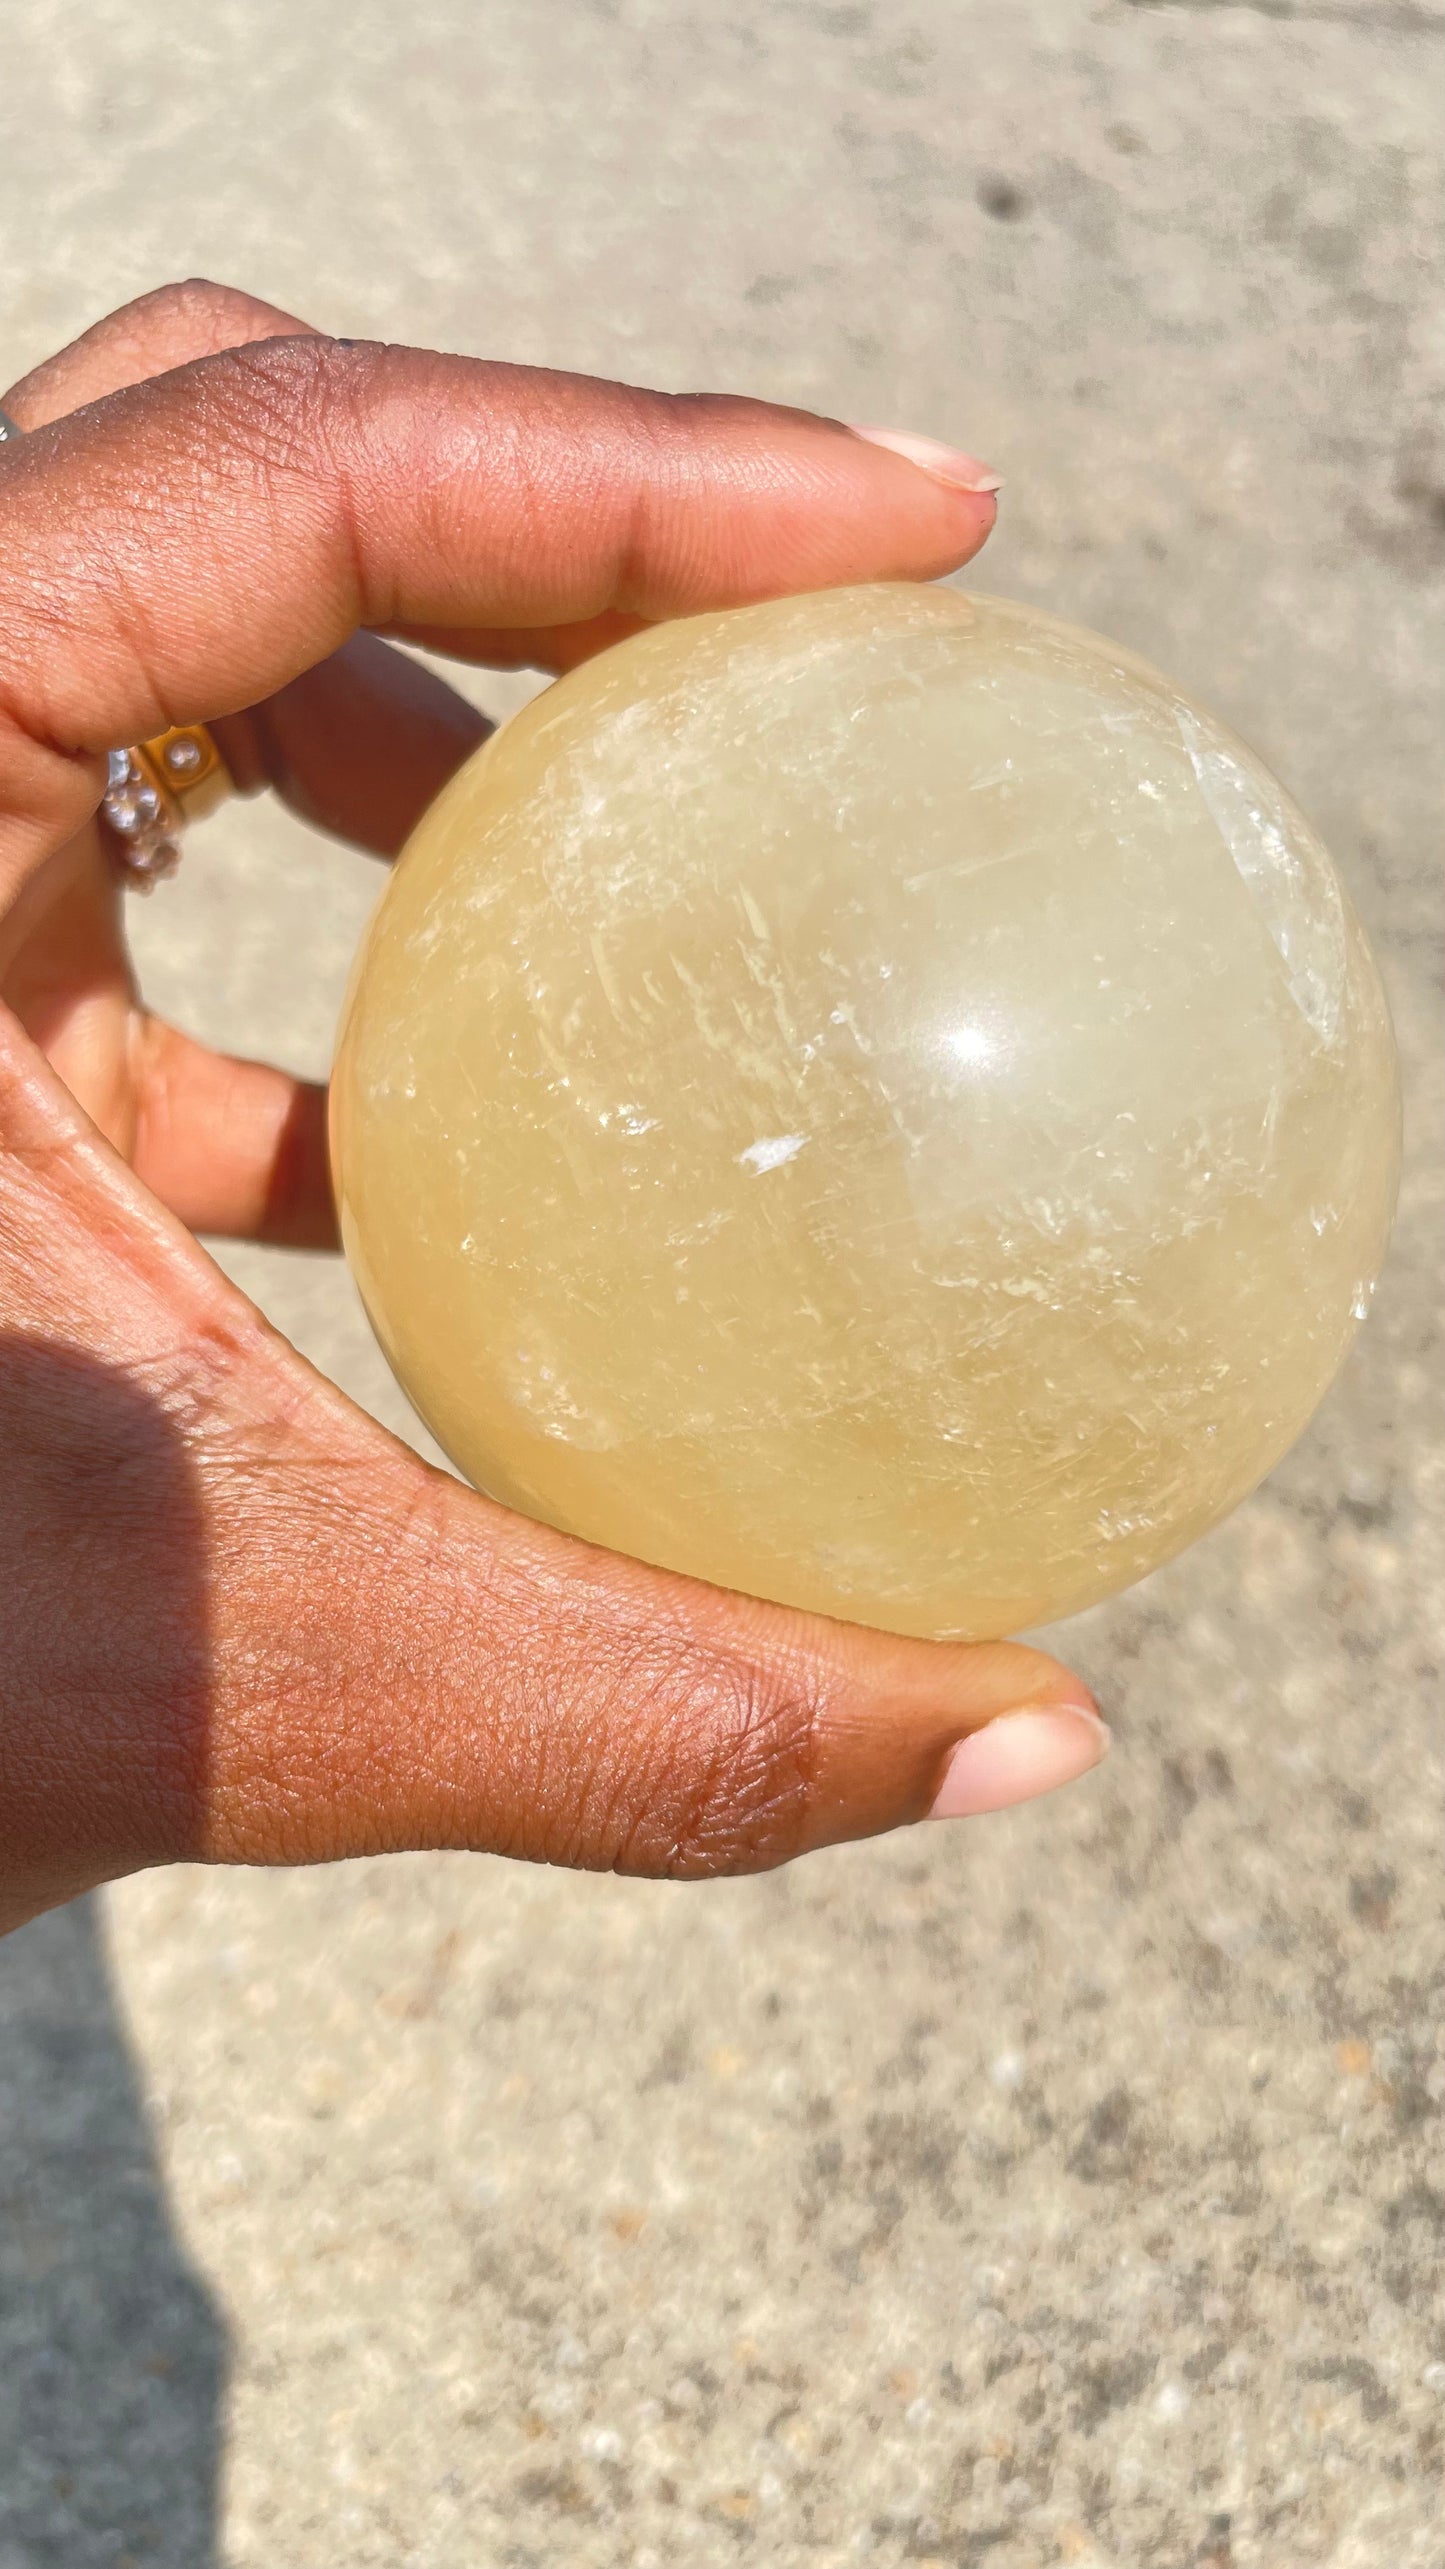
[{"x": 9, "y": 428}]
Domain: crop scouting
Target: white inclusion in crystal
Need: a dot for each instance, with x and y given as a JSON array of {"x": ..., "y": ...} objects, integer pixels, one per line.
[
  {"x": 1298, "y": 902},
  {"x": 771, "y": 1154}
]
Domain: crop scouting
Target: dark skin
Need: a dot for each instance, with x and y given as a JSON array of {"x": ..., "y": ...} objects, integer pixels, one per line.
[{"x": 215, "y": 515}]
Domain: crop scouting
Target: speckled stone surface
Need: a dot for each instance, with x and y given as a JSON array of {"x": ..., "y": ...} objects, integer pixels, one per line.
[{"x": 1065, "y": 2189}]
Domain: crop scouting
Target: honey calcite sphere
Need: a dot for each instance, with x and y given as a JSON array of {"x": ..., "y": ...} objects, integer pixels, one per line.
[{"x": 874, "y": 1099}]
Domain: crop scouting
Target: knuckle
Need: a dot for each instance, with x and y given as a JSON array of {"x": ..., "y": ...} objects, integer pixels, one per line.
[
  {"x": 268, "y": 391},
  {"x": 721, "y": 1769},
  {"x": 289, "y": 407},
  {"x": 195, "y": 317},
  {"x": 196, "y": 302}
]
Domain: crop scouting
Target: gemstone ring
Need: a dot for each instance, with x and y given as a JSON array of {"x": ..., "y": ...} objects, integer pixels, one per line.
[{"x": 153, "y": 790}]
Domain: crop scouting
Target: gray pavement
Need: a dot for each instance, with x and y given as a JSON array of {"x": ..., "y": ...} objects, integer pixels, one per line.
[{"x": 1069, "y": 2189}]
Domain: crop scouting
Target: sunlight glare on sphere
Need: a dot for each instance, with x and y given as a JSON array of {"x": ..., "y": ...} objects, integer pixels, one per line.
[{"x": 873, "y": 1099}]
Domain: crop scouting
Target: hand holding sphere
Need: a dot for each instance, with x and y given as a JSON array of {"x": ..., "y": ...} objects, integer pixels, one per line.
[{"x": 243, "y": 1624}]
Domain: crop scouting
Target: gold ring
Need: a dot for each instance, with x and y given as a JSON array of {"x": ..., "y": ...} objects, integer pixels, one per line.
[{"x": 153, "y": 791}]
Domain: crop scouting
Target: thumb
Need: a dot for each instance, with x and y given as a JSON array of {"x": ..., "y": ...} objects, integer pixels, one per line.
[
  {"x": 415, "y": 1666},
  {"x": 252, "y": 1627}
]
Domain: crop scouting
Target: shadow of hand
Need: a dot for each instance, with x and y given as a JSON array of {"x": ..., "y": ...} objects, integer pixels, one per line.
[{"x": 112, "y": 2354}]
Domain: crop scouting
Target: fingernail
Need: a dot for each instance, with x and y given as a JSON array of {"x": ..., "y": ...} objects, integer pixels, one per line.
[
  {"x": 946, "y": 463},
  {"x": 1017, "y": 1757}
]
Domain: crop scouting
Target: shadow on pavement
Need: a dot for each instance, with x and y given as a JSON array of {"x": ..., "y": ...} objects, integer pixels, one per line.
[{"x": 112, "y": 2354}]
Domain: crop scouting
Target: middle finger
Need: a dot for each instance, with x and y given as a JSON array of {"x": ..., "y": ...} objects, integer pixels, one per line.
[{"x": 357, "y": 746}]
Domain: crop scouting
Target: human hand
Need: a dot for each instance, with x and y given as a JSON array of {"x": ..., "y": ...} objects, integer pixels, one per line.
[{"x": 238, "y": 1622}]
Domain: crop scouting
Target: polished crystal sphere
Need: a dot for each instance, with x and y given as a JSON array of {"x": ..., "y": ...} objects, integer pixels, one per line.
[{"x": 873, "y": 1099}]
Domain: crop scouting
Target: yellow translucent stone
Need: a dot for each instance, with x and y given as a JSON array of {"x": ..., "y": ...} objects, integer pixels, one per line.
[{"x": 874, "y": 1099}]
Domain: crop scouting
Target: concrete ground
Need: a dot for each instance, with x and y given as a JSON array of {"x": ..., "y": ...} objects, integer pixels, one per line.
[{"x": 1069, "y": 2189}]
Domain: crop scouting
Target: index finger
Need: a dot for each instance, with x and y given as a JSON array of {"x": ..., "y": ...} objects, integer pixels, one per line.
[{"x": 192, "y": 543}]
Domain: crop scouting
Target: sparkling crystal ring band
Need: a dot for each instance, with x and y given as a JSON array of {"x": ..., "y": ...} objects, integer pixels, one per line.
[{"x": 153, "y": 790}]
